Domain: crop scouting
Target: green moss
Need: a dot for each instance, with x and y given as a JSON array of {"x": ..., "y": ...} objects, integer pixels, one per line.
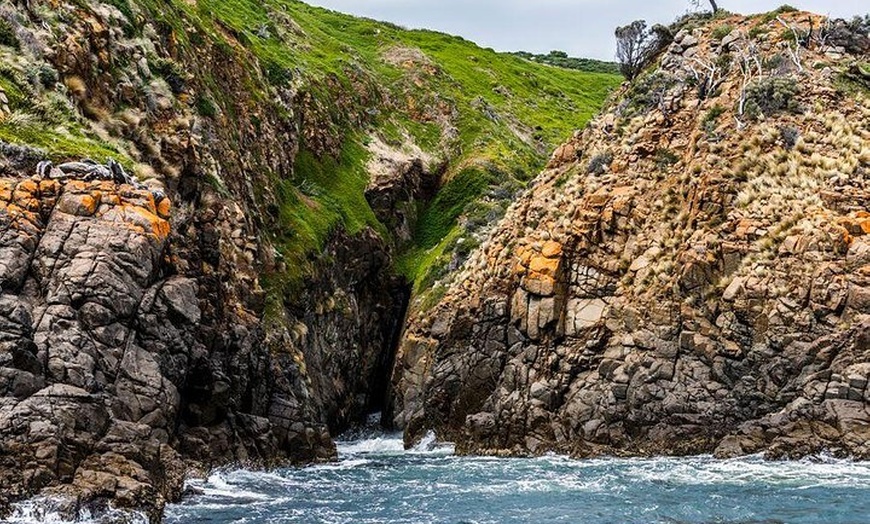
[
  {"x": 15, "y": 94},
  {"x": 60, "y": 143},
  {"x": 205, "y": 107},
  {"x": 323, "y": 195}
]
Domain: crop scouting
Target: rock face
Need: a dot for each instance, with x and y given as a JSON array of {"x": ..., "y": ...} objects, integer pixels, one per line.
[
  {"x": 690, "y": 274},
  {"x": 115, "y": 368},
  {"x": 96, "y": 340},
  {"x": 137, "y": 340}
]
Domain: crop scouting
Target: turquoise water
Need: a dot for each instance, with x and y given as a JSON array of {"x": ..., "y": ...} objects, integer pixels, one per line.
[{"x": 376, "y": 481}]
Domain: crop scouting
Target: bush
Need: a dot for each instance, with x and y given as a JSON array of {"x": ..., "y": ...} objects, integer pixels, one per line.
[
  {"x": 789, "y": 135},
  {"x": 711, "y": 119},
  {"x": 648, "y": 92},
  {"x": 172, "y": 73},
  {"x": 599, "y": 163},
  {"x": 785, "y": 8},
  {"x": 44, "y": 75},
  {"x": 722, "y": 31},
  {"x": 205, "y": 107},
  {"x": 769, "y": 96},
  {"x": 665, "y": 158},
  {"x": 7, "y": 35},
  {"x": 276, "y": 73}
]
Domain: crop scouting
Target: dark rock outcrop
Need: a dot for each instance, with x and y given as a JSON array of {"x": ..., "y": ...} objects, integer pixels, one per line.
[
  {"x": 137, "y": 340},
  {"x": 118, "y": 367}
]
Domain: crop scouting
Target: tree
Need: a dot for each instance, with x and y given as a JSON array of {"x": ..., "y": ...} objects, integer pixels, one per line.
[
  {"x": 630, "y": 47},
  {"x": 636, "y": 46},
  {"x": 713, "y": 4}
]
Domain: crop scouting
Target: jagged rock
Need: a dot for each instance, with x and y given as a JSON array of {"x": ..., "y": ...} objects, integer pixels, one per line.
[
  {"x": 669, "y": 310},
  {"x": 108, "y": 381}
]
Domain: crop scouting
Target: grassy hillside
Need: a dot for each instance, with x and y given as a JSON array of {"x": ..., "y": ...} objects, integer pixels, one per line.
[
  {"x": 492, "y": 118},
  {"x": 561, "y": 59}
]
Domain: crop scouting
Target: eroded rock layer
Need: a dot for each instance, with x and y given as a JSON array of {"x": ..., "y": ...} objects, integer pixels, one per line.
[{"x": 690, "y": 274}]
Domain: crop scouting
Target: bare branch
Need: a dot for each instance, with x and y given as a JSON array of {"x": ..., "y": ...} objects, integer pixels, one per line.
[{"x": 795, "y": 53}]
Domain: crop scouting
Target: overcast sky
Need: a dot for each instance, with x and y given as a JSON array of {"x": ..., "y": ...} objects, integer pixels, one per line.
[{"x": 580, "y": 27}]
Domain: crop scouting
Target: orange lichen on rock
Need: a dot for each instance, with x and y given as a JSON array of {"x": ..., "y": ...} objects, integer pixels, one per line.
[
  {"x": 164, "y": 208},
  {"x": 544, "y": 265},
  {"x": 857, "y": 223},
  {"x": 552, "y": 249},
  {"x": 146, "y": 221}
]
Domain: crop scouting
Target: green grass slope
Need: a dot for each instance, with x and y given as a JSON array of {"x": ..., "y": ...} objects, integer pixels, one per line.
[{"x": 491, "y": 118}]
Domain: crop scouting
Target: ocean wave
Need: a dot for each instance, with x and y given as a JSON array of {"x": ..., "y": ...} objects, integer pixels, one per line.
[
  {"x": 807, "y": 473},
  {"x": 227, "y": 485},
  {"x": 378, "y": 445},
  {"x": 339, "y": 466},
  {"x": 376, "y": 480}
]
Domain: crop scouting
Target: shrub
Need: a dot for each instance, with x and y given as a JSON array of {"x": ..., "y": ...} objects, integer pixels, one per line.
[
  {"x": 205, "y": 107},
  {"x": 769, "y": 96},
  {"x": 785, "y": 8},
  {"x": 43, "y": 74},
  {"x": 856, "y": 79},
  {"x": 789, "y": 136},
  {"x": 599, "y": 163},
  {"x": 853, "y": 36},
  {"x": 276, "y": 73},
  {"x": 665, "y": 158},
  {"x": 757, "y": 31},
  {"x": 172, "y": 73},
  {"x": 713, "y": 115},
  {"x": 722, "y": 31},
  {"x": 7, "y": 35},
  {"x": 648, "y": 92}
]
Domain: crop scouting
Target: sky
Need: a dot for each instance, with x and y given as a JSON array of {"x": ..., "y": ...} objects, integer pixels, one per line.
[{"x": 582, "y": 28}]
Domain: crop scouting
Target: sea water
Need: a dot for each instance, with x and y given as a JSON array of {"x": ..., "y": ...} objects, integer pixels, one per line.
[{"x": 376, "y": 480}]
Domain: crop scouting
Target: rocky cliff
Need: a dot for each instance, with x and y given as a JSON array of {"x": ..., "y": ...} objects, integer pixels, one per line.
[
  {"x": 239, "y": 299},
  {"x": 690, "y": 274}
]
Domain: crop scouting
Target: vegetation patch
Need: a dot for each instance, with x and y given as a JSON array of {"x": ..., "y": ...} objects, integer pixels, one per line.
[
  {"x": 439, "y": 216},
  {"x": 561, "y": 59},
  {"x": 599, "y": 163},
  {"x": 7, "y": 35},
  {"x": 338, "y": 61},
  {"x": 722, "y": 31},
  {"x": 771, "y": 96}
]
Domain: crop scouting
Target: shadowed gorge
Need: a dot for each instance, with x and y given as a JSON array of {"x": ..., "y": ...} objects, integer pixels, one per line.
[
  {"x": 297, "y": 175},
  {"x": 232, "y": 230}
]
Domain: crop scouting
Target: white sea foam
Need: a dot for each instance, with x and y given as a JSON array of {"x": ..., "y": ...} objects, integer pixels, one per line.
[
  {"x": 341, "y": 465},
  {"x": 47, "y": 510},
  {"x": 227, "y": 485},
  {"x": 808, "y": 473},
  {"x": 386, "y": 444}
]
